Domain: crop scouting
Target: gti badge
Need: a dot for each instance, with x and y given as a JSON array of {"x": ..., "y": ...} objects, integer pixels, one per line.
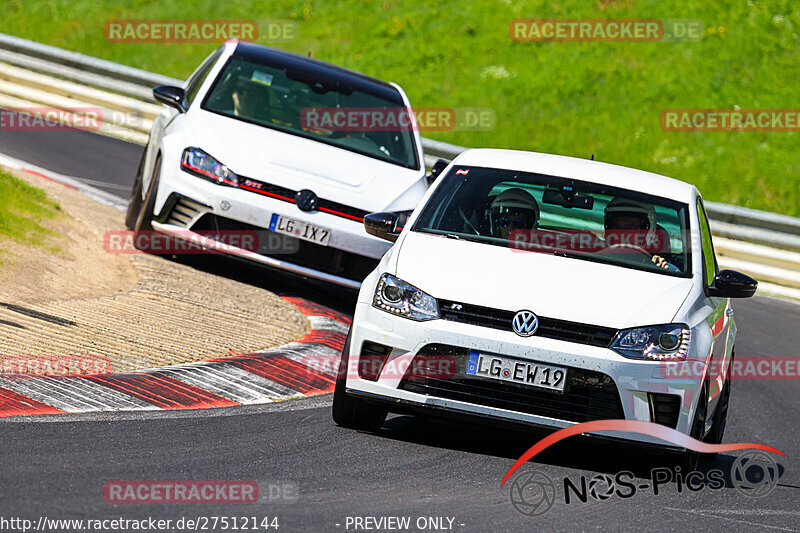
[
  {"x": 525, "y": 323},
  {"x": 306, "y": 200}
]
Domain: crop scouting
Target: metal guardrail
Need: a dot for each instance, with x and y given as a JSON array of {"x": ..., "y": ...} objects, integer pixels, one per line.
[
  {"x": 84, "y": 62},
  {"x": 732, "y": 223}
]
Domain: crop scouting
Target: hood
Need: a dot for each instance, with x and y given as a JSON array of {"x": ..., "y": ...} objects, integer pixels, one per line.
[
  {"x": 551, "y": 286},
  {"x": 297, "y": 163}
]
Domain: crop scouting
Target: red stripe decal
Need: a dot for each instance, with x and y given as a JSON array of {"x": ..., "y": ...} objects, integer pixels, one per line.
[
  {"x": 265, "y": 193},
  {"x": 287, "y": 372},
  {"x": 292, "y": 200},
  {"x": 209, "y": 174},
  {"x": 15, "y": 404},
  {"x": 718, "y": 325},
  {"x": 340, "y": 214},
  {"x": 162, "y": 391}
]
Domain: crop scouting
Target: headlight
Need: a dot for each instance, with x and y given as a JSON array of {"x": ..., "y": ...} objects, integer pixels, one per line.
[
  {"x": 197, "y": 162},
  {"x": 395, "y": 296},
  {"x": 657, "y": 343}
]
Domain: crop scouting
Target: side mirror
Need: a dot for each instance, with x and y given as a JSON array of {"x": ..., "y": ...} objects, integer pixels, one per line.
[
  {"x": 382, "y": 225},
  {"x": 732, "y": 284},
  {"x": 436, "y": 170},
  {"x": 171, "y": 96}
]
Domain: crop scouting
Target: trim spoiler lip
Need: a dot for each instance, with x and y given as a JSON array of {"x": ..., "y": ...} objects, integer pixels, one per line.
[
  {"x": 269, "y": 261},
  {"x": 469, "y": 416}
]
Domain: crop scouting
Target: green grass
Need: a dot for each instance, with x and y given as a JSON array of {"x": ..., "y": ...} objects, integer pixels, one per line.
[
  {"x": 22, "y": 209},
  {"x": 567, "y": 98}
]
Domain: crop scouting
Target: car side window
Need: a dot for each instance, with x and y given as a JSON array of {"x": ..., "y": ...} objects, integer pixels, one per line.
[
  {"x": 193, "y": 87},
  {"x": 709, "y": 259}
]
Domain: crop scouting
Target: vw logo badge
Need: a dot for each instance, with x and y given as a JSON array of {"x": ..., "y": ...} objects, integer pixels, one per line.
[
  {"x": 525, "y": 323},
  {"x": 306, "y": 200}
]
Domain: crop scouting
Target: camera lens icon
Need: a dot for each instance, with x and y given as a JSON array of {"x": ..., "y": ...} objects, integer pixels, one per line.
[
  {"x": 532, "y": 493},
  {"x": 601, "y": 487},
  {"x": 755, "y": 474}
]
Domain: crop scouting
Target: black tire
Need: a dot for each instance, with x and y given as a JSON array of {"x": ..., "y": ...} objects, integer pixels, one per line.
[
  {"x": 145, "y": 216},
  {"x": 720, "y": 418},
  {"x": 135, "y": 202},
  {"x": 690, "y": 458},
  {"x": 351, "y": 412}
]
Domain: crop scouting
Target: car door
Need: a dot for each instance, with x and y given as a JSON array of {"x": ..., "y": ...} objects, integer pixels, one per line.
[{"x": 719, "y": 321}]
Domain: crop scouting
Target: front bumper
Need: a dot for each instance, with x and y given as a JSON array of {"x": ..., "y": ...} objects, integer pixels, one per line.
[
  {"x": 636, "y": 383},
  {"x": 201, "y": 198}
]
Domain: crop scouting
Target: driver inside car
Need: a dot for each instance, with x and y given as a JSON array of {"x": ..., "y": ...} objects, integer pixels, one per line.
[
  {"x": 514, "y": 209},
  {"x": 250, "y": 100},
  {"x": 622, "y": 214}
]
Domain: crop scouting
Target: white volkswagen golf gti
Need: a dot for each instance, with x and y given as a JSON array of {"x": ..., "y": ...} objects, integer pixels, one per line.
[
  {"x": 231, "y": 151},
  {"x": 547, "y": 291}
]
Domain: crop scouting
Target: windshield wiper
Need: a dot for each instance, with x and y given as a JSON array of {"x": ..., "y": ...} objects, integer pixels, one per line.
[
  {"x": 462, "y": 237},
  {"x": 563, "y": 253}
]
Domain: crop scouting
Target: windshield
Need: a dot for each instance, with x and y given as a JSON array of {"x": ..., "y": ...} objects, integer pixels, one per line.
[
  {"x": 546, "y": 214},
  {"x": 280, "y": 99}
]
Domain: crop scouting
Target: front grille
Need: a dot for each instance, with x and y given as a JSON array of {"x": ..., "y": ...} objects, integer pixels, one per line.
[
  {"x": 288, "y": 195},
  {"x": 308, "y": 254},
  {"x": 551, "y": 328},
  {"x": 588, "y": 395},
  {"x": 665, "y": 409}
]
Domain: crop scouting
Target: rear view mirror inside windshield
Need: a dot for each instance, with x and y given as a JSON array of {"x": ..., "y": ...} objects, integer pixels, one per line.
[
  {"x": 565, "y": 197},
  {"x": 317, "y": 84}
]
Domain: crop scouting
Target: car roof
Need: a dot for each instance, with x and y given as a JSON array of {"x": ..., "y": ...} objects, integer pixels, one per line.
[
  {"x": 579, "y": 169},
  {"x": 318, "y": 69}
]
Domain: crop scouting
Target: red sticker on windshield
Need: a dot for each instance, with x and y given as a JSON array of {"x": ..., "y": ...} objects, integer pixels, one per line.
[{"x": 464, "y": 171}]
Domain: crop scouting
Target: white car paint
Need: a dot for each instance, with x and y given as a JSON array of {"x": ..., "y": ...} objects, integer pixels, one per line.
[
  {"x": 283, "y": 159},
  {"x": 552, "y": 286}
]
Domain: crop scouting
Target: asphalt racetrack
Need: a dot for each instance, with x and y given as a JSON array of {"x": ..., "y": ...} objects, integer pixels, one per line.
[{"x": 437, "y": 474}]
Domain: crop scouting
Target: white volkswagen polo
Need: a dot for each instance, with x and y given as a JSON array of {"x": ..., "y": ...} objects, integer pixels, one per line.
[
  {"x": 548, "y": 291},
  {"x": 236, "y": 149}
]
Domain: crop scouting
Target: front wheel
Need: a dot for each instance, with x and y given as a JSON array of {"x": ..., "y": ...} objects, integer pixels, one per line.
[
  {"x": 145, "y": 215},
  {"x": 135, "y": 203},
  {"x": 351, "y": 412},
  {"x": 720, "y": 418},
  {"x": 690, "y": 458}
]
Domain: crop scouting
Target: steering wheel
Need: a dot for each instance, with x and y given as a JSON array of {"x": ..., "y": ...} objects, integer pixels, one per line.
[{"x": 467, "y": 223}]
